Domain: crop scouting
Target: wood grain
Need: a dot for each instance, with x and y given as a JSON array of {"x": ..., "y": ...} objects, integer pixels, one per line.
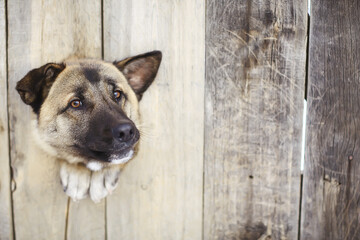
[
  {"x": 254, "y": 90},
  {"x": 160, "y": 192},
  {"x": 40, "y": 32},
  {"x": 86, "y": 220},
  {"x": 6, "y": 229},
  {"x": 331, "y": 205}
]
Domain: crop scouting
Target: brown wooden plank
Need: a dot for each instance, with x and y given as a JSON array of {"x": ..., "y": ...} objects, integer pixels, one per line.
[
  {"x": 6, "y": 231},
  {"x": 331, "y": 205},
  {"x": 255, "y": 74},
  {"x": 40, "y": 32},
  {"x": 160, "y": 192}
]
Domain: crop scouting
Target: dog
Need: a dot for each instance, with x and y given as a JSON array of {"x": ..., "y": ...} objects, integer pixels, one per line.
[{"x": 87, "y": 115}]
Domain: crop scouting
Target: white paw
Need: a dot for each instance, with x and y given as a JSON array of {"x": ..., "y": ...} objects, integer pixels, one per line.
[
  {"x": 79, "y": 182},
  {"x": 75, "y": 180},
  {"x": 103, "y": 183}
]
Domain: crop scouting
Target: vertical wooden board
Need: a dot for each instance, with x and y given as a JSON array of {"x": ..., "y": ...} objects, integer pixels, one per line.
[
  {"x": 6, "y": 231},
  {"x": 86, "y": 220},
  {"x": 40, "y": 32},
  {"x": 254, "y": 90},
  {"x": 331, "y": 205},
  {"x": 160, "y": 192}
]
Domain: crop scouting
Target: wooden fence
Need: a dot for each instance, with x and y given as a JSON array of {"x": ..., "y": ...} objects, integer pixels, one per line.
[{"x": 223, "y": 119}]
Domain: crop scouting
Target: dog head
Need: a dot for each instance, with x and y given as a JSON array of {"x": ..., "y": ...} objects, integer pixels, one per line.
[{"x": 87, "y": 110}]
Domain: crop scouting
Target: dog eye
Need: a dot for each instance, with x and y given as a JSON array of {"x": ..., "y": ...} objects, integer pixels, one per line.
[
  {"x": 118, "y": 95},
  {"x": 76, "y": 103}
]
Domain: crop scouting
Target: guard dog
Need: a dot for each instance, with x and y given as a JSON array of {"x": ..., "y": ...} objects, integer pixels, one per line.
[{"x": 87, "y": 115}]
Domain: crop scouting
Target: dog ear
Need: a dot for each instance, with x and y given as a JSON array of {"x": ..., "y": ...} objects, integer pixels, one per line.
[
  {"x": 140, "y": 70},
  {"x": 35, "y": 86}
]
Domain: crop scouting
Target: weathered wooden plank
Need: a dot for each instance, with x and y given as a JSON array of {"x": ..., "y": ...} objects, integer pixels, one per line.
[
  {"x": 160, "y": 192},
  {"x": 86, "y": 220},
  {"x": 40, "y": 32},
  {"x": 6, "y": 231},
  {"x": 331, "y": 205},
  {"x": 254, "y": 90}
]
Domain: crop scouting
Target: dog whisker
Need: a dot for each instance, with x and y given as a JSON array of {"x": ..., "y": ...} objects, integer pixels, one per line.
[{"x": 146, "y": 137}]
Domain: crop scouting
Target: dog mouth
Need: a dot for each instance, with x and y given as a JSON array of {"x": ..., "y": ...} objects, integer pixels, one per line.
[
  {"x": 99, "y": 155},
  {"x": 121, "y": 158},
  {"x": 112, "y": 158},
  {"x": 114, "y": 155}
]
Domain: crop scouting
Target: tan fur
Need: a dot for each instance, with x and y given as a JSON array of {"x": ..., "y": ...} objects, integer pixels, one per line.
[
  {"x": 78, "y": 181},
  {"x": 57, "y": 128},
  {"x": 63, "y": 89}
]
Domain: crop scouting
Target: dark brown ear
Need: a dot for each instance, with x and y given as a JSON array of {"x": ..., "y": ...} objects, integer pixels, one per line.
[
  {"x": 140, "y": 71},
  {"x": 35, "y": 86}
]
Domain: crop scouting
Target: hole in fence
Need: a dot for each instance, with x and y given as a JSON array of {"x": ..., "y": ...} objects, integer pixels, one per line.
[
  {"x": 303, "y": 138},
  {"x": 303, "y": 135}
]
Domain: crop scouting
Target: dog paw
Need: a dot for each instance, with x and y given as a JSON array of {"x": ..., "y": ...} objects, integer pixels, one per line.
[
  {"x": 75, "y": 180},
  {"x": 79, "y": 182},
  {"x": 103, "y": 183}
]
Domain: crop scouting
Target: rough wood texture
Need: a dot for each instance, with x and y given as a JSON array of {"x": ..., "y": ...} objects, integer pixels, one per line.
[
  {"x": 255, "y": 74},
  {"x": 160, "y": 192},
  {"x": 6, "y": 231},
  {"x": 39, "y": 32},
  {"x": 331, "y": 205}
]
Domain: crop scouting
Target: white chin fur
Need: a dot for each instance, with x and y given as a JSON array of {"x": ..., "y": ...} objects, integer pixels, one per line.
[
  {"x": 115, "y": 160},
  {"x": 94, "y": 166}
]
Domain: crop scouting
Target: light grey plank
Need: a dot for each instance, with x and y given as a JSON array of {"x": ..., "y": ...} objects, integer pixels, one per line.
[
  {"x": 40, "y": 32},
  {"x": 6, "y": 231},
  {"x": 160, "y": 192}
]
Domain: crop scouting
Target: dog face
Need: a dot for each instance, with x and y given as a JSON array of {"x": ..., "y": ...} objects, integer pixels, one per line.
[{"x": 87, "y": 110}]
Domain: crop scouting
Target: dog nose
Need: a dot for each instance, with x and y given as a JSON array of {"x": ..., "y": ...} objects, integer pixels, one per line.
[{"x": 124, "y": 132}]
